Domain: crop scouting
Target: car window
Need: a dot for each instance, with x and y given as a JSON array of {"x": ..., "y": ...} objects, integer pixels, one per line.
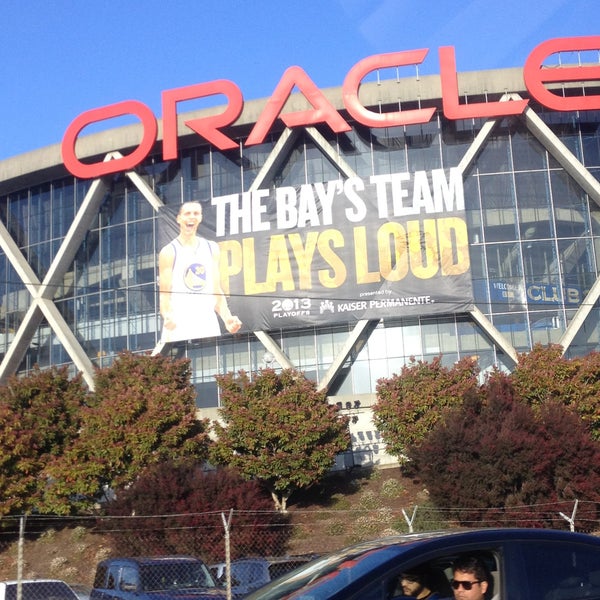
[
  {"x": 100, "y": 577},
  {"x": 244, "y": 573},
  {"x": 561, "y": 571},
  {"x": 113, "y": 577},
  {"x": 129, "y": 578},
  {"x": 41, "y": 590},
  {"x": 438, "y": 573}
]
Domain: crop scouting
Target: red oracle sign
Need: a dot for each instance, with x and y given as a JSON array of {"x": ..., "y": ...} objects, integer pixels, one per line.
[{"x": 322, "y": 111}]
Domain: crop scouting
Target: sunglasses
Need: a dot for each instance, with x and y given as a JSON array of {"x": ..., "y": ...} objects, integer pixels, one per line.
[{"x": 467, "y": 585}]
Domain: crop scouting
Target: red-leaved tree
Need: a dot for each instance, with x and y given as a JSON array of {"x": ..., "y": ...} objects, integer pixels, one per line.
[
  {"x": 180, "y": 508},
  {"x": 493, "y": 457}
]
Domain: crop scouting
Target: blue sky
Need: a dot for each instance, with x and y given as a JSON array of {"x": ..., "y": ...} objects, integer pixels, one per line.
[{"x": 61, "y": 58}]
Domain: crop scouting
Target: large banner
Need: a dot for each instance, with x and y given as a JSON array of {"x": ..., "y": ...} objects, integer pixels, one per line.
[{"x": 391, "y": 245}]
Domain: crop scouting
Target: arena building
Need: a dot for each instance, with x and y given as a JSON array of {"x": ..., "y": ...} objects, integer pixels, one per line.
[{"x": 350, "y": 230}]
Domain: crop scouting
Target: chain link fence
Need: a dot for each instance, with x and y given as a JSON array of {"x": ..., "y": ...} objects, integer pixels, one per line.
[{"x": 241, "y": 549}]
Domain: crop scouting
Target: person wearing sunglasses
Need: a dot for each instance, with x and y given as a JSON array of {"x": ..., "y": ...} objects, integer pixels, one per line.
[{"x": 471, "y": 578}]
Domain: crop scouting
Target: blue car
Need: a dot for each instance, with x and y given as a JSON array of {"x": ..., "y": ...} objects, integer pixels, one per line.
[{"x": 524, "y": 564}]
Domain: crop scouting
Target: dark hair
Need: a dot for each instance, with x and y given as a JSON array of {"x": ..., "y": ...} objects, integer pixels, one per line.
[
  {"x": 470, "y": 563},
  {"x": 420, "y": 574}
]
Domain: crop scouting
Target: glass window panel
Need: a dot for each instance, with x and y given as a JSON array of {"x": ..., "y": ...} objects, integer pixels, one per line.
[
  {"x": 141, "y": 259},
  {"x": 533, "y": 200},
  {"x": 546, "y": 327},
  {"x": 590, "y": 133},
  {"x": 423, "y": 147},
  {"x": 16, "y": 217},
  {"x": 439, "y": 335},
  {"x": 168, "y": 180},
  {"x": 361, "y": 377},
  {"x": 498, "y": 204},
  {"x": 355, "y": 147},
  {"x": 495, "y": 155},
  {"x": 457, "y": 137},
  {"x": 300, "y": 347},
  {"x": 207, "y": 394},
  {"x": 237, "y": 350},
  {"x": 227, "y": 175},
  {"x": 39, "y": 258},
  {"x": 113, "y": 243},
  {"x": 253, "y": 159},
  {"x": 203, "y": 356},
  {"x": 570, "y": 206},
  {"x": 594, "y": 218},
  {"x": 329, "y": 344},
  {"x": 63, "y": 208},
  {"x": 566, "y": 127},
  {"x": 412, "y": 341},
  {"x": 378, "y": 368},
  {"x": 39, "y": 223},
  {"x": 515, "y": 327},
  {"x": 82, "y": 187},
  {"x": 376, "y": 346},
  {"x": 471, "y": 338},
  {"x": 540, "y": 262},
  {"x": 292, "y": 171},
  {"x": 394, "y": 339},
  {"x": 587, "y": 338},
  {"x": 137, "y": 206},
  {"x": 577, "y": 264},
  {"x": 477, "y": 261},
  {"x": 503, "y": 260},
  {"x": 527, "y": 151},
  {"x": 318, "y": 166},
  {"x": 389, "y": 150},
  {"x": 112, "y": 211}
]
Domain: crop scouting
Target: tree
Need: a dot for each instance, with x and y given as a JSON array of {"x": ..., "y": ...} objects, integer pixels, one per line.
[
  {"x": 143, "y": 413},
  {"x": 410, "y": 404},
  {"x": 39, "y": 418},
  {"x": 497, "y": 452},
  {"x": 544, "y": 375},
  {"x": 279, "y": 429},
  {"x": 185, "y": 504}
]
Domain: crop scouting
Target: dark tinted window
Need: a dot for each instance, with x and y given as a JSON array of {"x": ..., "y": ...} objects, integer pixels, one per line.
[
  {"x": 180, "y": 575},
  {"x": 41, "y": 590},
  {"x": 100, "y": 577},
  {"x": 560, "y": 571}
]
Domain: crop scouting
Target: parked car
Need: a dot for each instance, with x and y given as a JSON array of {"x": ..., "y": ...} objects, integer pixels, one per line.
[
  {"x": 158, "y": 578},
  {"x": 37, "y": 589},
  {"x": 525, "y": 564},
  {"x": 249, "y": 574},
  {"x": 81, "y": 590}
]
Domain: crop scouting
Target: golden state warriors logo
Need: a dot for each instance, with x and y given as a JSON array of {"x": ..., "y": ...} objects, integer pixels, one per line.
[{"x": 195, "y": 277}]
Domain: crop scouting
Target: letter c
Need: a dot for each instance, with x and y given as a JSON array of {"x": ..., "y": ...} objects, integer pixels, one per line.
[
  {"x": 126, "y": 163},
  {"x": 372, "y": 63}
]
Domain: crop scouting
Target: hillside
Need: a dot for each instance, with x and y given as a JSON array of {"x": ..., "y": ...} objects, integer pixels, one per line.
[{"x": 346, "y": 507}]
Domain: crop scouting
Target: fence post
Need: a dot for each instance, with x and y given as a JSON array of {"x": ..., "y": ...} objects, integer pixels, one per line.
[
  {"x": 571, "y": 519},
  {"x": 410, "y": 520},
  {"x": 227, "y": 526},
  {"x": 20, "y": 558}
]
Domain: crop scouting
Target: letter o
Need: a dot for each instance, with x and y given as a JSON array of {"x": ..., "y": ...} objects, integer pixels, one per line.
[{"x": 106, "y": 167}]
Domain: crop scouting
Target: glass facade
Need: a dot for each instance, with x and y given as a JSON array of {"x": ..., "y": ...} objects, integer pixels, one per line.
[{"x": 534, "y": 243}]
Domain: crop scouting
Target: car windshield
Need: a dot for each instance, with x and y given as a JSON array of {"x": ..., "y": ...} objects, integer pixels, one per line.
[
  {"x": 173, "y": 576},
  {"x": 34, "y": 590},
  {"x": 246, "y": 572},
  {"x": 338, "y": 569}
]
